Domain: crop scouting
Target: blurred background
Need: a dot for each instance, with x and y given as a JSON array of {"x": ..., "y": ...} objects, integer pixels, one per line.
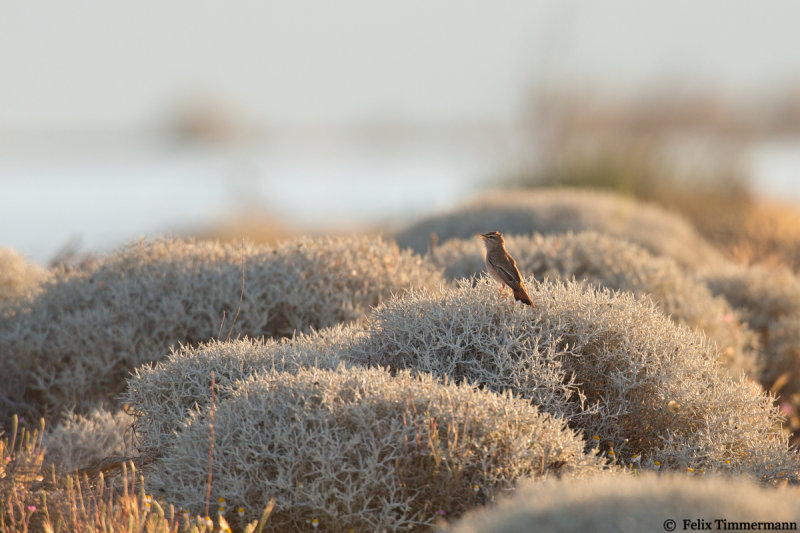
[{"x": 266, "y": 119}]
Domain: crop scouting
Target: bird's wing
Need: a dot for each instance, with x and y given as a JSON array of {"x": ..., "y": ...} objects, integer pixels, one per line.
[{"x": 507, "y": 270}]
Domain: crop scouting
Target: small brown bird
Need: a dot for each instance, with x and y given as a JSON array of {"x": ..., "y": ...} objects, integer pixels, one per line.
[{"x": 502, "y": 267}]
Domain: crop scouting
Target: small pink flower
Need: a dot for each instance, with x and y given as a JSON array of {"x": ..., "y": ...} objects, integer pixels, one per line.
[
  {"x": 442, "y": 512},
  {"x": 727, "y": 318},
  {"x": 32, "y": 508},
  {"x": 786, "y": 409}
]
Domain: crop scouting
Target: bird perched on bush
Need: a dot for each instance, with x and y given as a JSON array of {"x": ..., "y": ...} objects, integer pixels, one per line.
[{"x": 502, "y": 267}]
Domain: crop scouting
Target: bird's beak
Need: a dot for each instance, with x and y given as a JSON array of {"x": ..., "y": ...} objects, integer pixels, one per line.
[{"x": 480, "y": 236}]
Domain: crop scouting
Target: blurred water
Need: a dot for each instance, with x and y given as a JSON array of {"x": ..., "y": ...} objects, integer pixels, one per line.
[
  {"x": 102, "y": 201},
  {"x": 775, "y": 169}
]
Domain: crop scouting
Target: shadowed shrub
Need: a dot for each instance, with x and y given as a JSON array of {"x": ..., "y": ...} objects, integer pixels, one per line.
[
  {"x": 614, "y": 366},
  {"x": 19, "y": 279},
  {"x": 74, "y": 344},
  {"x": 768, "y": 299},
  {"x": 363, "y": 449},
  {"x": 617, "y": 503},
  {"x": 784, "y": 350},
  {"x": 613, "y": 263},
  {"x": 548, "y": 211},
  {"x": 78, "y": 441},
  {"x": 163, "y": 395}
]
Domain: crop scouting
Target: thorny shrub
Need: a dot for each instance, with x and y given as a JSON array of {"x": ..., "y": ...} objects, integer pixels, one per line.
[
  {"x": 162, "y": 395},
  {"x": 77, "y": 441},
  {"x": 610, "y": 262},
  {"x": 548, "y": 211},
  {"x": 73, "y": 345},
  {"x": 363, "y": 449},
  {"x": 646, "y": 389}
]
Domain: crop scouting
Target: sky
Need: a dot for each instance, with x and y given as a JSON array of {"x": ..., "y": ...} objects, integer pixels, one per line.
[
  {"x": 107, "y": 65},
  {"x": 89, "y": 87}
]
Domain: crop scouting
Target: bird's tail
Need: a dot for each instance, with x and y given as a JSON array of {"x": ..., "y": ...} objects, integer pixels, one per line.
[{"x": 521, "y": 295}]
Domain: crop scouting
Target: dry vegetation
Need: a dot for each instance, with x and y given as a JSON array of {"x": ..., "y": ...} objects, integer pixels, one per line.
[
  {"x": 645, "y": 392},
  {"x": 33, "y": 499},
  {"x": 363, "y": 449},
  {"x": 615, "y": 367},
  {"x": 354, "y": 387},
  {"x": 768, "y": 300},
  {"x": 768, "y": 232},
  {"x": 554, "y": 211},
  {"x": 81, "y": 440},
  {"x": 74, "y": 343},
  {"x": 604, "y": 261},
  {"x": 685, "y": 150},
  {"x": 164, "y": 395},
  {"x": 19, "y": 279}
]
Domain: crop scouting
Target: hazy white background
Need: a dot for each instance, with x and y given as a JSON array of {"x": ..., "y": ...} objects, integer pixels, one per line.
[{"x": 330, "y": 114}]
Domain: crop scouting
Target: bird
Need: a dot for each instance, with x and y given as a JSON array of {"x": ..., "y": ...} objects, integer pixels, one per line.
[{"x": 502, "y": 267}]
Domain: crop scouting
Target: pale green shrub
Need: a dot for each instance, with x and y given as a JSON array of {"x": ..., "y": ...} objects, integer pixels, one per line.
[
  {"x": 547, "y": 211},
  {"x": 74, "y": 344},
  {"x": 363, "y": 449},
  {"x": 614, "y": 366},
  {"x": 19, "y": 279},
  {"x": 78, "y": 441},
  {"x": 619, "y": 503},
  {"x": 768, "y": 299},
  {"x": 163, "y": 395},
  {"x": 606, "y": 261}
]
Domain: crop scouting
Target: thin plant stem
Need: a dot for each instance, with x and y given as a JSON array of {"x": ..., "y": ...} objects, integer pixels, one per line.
[{"x": 210, "y": 445}]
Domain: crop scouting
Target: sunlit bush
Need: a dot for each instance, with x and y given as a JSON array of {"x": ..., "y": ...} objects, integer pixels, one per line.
[
  {"x": 614, "y": 366},
  {"x": 547, "y": 211},
  {"x": 19, "y": 278},
  {"x": 80, "y": 337},
  {"x": 643, "y": 391},
  {"x": 610, "y": 262},
  {"x": 363, "y": 449},
  {"x": 162, "y": 396}
]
